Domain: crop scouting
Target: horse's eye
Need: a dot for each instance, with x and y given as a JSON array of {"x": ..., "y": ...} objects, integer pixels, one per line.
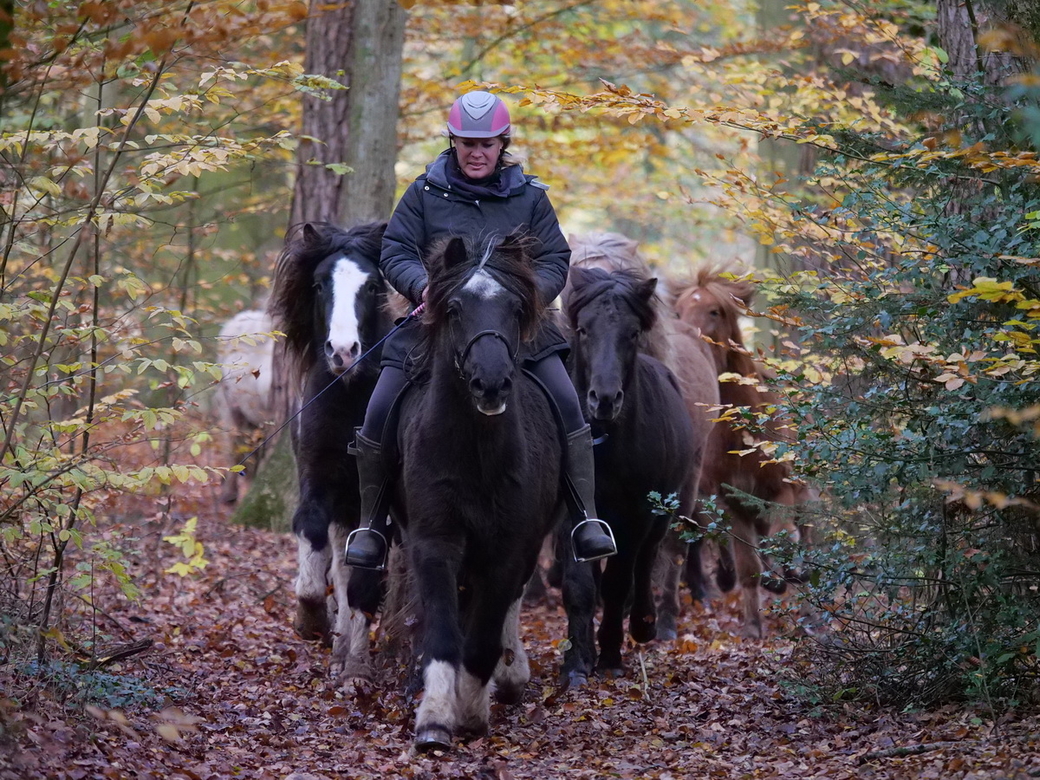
[
  {"x": 580, "y": 331},
  {"x": 372, "y": 288}
]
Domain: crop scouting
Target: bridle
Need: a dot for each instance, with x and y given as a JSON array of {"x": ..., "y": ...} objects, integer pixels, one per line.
[{"x": 460, "y": 356}]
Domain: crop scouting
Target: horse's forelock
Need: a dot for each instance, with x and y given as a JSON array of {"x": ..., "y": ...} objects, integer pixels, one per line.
[
  {"x": 507, "y": 260},
  {"x": 609, "y": 251},
  {"x": 631, "y": 286},
  {"x": 293, "y": 296}
]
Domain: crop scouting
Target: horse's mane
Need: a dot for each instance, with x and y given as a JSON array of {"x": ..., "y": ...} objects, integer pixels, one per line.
[
  {"x": 609, "y": 251},
  {"x": 733, "y": 294},
  {"x": 507, "y": 259},
  {"x": 616, "y": 252},
  {"x": 293, "y": 295},
  {"x": 590, "y": 283}
]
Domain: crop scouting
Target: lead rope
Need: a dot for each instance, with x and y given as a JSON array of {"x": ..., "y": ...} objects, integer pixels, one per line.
[{"x": 416, "y": 311}]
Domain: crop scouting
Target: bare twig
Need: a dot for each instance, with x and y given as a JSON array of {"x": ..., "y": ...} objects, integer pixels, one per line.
[
  {"x": 910, "y": 750},
  {"x": 119, "y": 653}
]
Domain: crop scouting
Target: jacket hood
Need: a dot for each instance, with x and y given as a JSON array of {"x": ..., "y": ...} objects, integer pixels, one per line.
[{"x": 437, "y": 174}]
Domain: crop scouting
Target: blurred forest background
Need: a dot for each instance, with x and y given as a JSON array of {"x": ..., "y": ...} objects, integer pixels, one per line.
[{"x": 873, "y": 166}]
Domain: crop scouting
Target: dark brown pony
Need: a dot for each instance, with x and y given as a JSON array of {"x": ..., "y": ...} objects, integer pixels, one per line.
[
  {"x": 481, "y": 482},
  {"x": 679, "y": 347},
  {"x": 648, "y": 446},
  {"x": 740, "y": 466}
]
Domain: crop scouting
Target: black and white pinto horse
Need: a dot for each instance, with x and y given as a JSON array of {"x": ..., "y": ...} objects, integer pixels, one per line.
[
  {"x": 329, "y": 299},
  {"x": 649, "y": 445},
  {"x": 481, "y": 483}
]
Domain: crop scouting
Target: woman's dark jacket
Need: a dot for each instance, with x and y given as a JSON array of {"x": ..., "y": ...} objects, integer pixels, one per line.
[{"x": 433, "y": 208}]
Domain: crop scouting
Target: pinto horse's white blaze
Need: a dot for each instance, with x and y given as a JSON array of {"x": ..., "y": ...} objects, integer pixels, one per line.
[
  {"x": 343, "y": 345},
  {"x": 438, "y": 702},
  {"x": 483, "y": 285}
]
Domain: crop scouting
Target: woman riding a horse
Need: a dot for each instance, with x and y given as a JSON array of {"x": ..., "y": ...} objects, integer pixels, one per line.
[{"x": 473, "y": 188}]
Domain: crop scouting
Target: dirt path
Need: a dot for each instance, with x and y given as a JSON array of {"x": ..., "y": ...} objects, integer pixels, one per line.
[{"x": 247, "y": 699}]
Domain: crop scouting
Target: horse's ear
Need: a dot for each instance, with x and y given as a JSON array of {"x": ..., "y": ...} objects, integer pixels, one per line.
[
  {"x": 647, "y": 287},
  {"x": 517, "y": 240},
  {"x": 578, "y": 275},
  {"x": 310, "y": 234},
  {"x": 455, "y": 253},
  {"x": 743, "y": 292}
]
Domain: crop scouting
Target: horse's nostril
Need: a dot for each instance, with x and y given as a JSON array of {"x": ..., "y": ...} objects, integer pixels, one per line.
[
  {"x": 329, "y": 350},
  {"x": 355, "y": 349}
]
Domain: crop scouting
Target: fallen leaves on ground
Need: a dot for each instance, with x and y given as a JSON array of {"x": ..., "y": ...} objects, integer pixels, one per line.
[{"x": 247, "y": 698}]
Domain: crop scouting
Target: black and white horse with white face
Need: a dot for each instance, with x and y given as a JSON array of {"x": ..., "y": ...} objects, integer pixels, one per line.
[{"x": 329, "y": 299}]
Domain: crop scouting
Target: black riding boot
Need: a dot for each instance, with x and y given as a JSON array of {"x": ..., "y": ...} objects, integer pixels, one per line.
[
  {"x": 591, "y": 538},
  {"x": 367, "y": 547}
]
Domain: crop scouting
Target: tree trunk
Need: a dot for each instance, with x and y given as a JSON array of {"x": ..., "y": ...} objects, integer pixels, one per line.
[
  {"x": 375, "y": 89},
  {"x": 958, "y": 24},
  {"x": 359, "y": 44}
]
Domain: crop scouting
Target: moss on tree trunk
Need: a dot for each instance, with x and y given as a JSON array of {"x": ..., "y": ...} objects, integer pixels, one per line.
[{"x": 272, "y": 498}]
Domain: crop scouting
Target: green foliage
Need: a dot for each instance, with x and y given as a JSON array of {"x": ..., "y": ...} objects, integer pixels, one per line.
[
  {"x": 75, "y": 685},
  {"x": 119, "y": 156},
  {"x": 919, "y": 416}
]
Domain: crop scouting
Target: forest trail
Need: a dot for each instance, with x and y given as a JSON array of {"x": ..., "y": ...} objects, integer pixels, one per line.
[{"x": 248, "y": 699}]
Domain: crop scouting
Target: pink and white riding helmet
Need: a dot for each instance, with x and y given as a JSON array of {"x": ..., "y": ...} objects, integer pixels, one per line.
[{"x": 478, "y": 115}]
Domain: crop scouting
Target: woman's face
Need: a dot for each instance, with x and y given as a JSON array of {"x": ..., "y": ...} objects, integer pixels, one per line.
[{"x": 478, "y": 156}]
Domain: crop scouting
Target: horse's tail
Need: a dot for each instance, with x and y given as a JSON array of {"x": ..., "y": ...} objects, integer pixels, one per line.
[{"x": 400, "y": 611}]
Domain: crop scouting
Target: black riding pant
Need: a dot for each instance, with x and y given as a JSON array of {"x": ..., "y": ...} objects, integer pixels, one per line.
[{"x": 550, "y": 371}]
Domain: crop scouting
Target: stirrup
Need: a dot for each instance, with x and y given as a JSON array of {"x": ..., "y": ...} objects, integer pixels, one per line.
[
  {"x": 361, "y": 563},
  {"x": 609, "y": 533}
]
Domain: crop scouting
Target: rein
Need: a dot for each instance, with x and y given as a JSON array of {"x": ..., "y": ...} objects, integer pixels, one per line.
[{"x": 416, "y": 311}]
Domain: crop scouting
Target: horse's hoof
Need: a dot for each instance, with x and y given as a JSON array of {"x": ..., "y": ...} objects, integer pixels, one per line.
[
  {"x": 667, "y": 633},
  {"x": 312, "y": 622},
  {"x": 773, "y": 584},
  {"x": 576, "y": 680},
  {"x": 472, "y": 729},
  {"x": 433, "y": 737},
  {"x": 751, "y": 631},
  {"x": 726, "y": 580},
  {"x": 610, "y": 671},
  {"x": 508, "y": 694},
  {"x": 795, "y": 576},
  {"x": 352, "y": 674}
]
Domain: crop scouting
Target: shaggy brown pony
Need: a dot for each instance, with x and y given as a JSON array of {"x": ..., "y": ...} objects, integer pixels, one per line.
[{"x": 714, "y": 303}]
